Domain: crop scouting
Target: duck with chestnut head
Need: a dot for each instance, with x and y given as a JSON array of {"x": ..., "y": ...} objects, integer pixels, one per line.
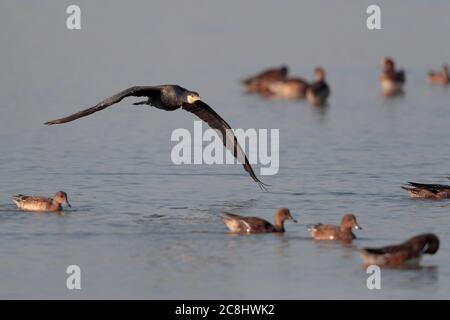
[
  {"x": 391, "y": 79},
  {"x": 40, "y": 203},
  {"x": 318, "y": 92},
  {"x": 342, "y": 232},
  {"x": 408, "y": 253},
  {"x": 240, "y": 224}
]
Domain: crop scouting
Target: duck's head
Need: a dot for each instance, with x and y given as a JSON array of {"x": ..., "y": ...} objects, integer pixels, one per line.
[
  {"x": 190, "y": 97},
  {"x": 426, "y": 243},
  {"x": 284, "y": 214},
  {"x": 319, "y": 74},
  {"x": 388, "y": 63},
  {"x": 61, "y": 198},
  {"x": 349, "y": 221}
]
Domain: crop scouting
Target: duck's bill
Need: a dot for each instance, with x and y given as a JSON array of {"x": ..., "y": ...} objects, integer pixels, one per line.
[
  {"x": 68, "y": 204},
  {"x": 293, "y": 220},
  {"x": 357, "y": 227}
]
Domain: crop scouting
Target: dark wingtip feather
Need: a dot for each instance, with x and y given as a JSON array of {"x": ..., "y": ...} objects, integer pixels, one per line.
[
  {"x": 56, "y": 121},
  {"x": 263, "y": 186}
]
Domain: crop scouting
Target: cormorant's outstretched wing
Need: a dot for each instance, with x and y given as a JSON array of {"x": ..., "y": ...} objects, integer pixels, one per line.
[
  {"x": 133, "y": 91},
  {"x": 207, "y": 114}
]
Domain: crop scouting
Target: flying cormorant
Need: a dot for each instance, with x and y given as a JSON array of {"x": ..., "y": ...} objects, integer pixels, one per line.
[{"x": 170, "y": 98}]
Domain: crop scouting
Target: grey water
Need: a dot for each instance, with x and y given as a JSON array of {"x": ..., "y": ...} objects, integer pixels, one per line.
[{"x": 142, "y": 227}]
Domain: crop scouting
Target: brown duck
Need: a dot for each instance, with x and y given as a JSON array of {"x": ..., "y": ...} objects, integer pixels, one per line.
[
  {"x": 42, "y": 204},
  {"x": 331, "y": 232},
  {"x": 289, "y": 88},
  {"x": 408, "y": 253},
  {"x": 318, "y": 92},
  {"x": 239, "y": 224},
  {"x": 391, "y": 80},
  {"x": 439, "y": 77},
  {"x": 427, "y": 191},
  {"x": 259, "y": 83}
]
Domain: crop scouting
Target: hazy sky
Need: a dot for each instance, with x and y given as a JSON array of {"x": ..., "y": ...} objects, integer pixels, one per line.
[{"x": 176, "y": 38}]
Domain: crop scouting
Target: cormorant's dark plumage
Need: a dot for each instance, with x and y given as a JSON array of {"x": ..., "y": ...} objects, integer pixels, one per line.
[{"x": 170, "y": 98}]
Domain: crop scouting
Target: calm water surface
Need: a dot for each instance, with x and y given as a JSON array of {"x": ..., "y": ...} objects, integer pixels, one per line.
[{"x": 141, "y": 227}]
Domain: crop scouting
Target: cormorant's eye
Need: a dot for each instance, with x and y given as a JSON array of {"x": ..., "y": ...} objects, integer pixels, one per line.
[{"x": 191, "y": 98}]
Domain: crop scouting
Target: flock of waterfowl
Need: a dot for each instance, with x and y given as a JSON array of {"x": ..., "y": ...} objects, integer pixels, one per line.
[
  {"x": 274, "y": 83},
  {"x": 407, "y": 254}
]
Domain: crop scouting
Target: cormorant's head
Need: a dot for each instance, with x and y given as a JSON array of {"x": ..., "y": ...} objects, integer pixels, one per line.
[{"x": 191, "y": 97}]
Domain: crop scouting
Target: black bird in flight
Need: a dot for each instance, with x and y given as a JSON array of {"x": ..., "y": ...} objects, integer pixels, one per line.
[{"x": 170, "y": 98}]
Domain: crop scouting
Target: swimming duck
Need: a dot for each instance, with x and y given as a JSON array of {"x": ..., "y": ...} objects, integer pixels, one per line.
[
  {"x": 409, "y": 253},
  {"x": 439, "y": 77},
  {"x": 259, "y": 82},
  {"x": 319, "y": 91},
  {"x": 240, "y": 224},
  {"x": 170, "y": 98},
  {"x": 391, "y": 80},
  {"x": 289, "y": 88},
  {"x": 427, "y": 191},
  {"x": 331, "y": 232},
  {"x": 39, "y": 203}
]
